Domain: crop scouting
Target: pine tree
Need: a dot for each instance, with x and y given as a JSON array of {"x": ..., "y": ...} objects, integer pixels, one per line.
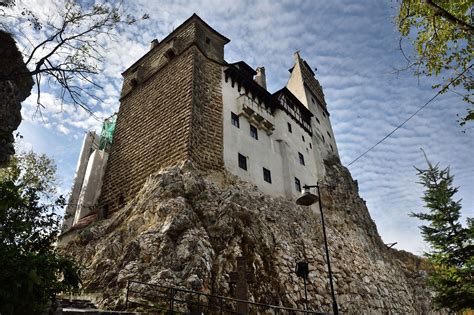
[{"x": 452, "y": 245}]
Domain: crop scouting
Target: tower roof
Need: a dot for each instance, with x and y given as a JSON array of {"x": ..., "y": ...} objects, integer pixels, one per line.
[
  {"x": 303, "y": 76},
  {"x": 192, "y": 18}
]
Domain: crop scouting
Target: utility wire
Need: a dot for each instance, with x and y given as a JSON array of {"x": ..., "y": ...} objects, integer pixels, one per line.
[{"x": 412, "y": 115}]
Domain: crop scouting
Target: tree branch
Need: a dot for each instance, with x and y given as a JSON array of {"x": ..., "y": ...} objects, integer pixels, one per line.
[{"x": 448, "y": 16}]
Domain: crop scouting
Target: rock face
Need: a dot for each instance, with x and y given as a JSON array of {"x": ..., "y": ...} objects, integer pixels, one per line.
[
  {"x": 186, "y": 229},
  {"x": 14, "y": 88}
]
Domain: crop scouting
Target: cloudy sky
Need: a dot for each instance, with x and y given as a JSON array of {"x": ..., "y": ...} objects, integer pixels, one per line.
[{"x": 353, "y": 45}]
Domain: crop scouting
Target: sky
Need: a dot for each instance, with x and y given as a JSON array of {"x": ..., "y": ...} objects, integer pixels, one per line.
[{"x": 355, "y": 48}]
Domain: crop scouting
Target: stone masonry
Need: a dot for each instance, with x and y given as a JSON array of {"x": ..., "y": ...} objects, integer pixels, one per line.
[{"x": 170, "y": 111}]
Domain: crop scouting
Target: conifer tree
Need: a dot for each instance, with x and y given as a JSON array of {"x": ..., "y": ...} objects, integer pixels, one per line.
[{"x": 452, "y": 245}]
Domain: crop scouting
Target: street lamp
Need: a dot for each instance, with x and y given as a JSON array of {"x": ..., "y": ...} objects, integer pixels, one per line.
[{"x": 307, "y": 199}]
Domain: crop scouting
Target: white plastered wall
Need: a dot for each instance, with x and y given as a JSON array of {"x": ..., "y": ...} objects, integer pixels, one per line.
[
  {"x": 92, "y": 184},
  {"x": 278, "y": 152},
  {"x": 89, "y": 144}
]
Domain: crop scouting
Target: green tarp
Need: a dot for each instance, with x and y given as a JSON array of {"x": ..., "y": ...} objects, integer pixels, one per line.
[{"x": 107, "y": 132}]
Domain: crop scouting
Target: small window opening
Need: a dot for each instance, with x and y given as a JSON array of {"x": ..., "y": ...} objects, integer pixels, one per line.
[
  {"x": 301, "y": 158},
  {"x": 267, "y": 175},
  {"x": 253, "y": 132},
  {"x": 297, "y": 184},
  {"x": 242, "y": 162},
  {"x": 289, "y": 128},
  {"x": 235, "y": 120}
]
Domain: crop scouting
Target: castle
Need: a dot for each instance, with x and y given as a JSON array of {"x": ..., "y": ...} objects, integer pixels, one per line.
[
  {"x": 181, "y": 227},
  {"x": 182, "y": 101}
]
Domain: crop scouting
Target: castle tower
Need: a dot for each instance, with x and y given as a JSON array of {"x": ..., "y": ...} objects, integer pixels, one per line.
[
  {"x": 170, "y": 111},
  {"x": 306, "y": 88}
]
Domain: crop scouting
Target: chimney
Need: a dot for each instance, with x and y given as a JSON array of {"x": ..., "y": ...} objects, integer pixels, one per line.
[
  {"x": 154, "y": 43},
  {"x": 260, "y": 77}
]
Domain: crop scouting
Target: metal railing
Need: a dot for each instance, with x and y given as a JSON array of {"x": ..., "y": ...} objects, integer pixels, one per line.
[{"x": 173, "y": 300}]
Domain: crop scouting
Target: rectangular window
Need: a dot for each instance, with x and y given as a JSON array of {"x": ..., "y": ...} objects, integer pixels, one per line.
[
  {"x": 297, "y": 184},
  {"x": 242, "y": 162},
  {"x": 234, "y": 119},
  {"x": 310, "y": 146},
  {"x": 301, "y": 158},
  {"x": 317, "y": 119},
  {"x": 328, "y": 134},
  {"x": 253, "y": 132},
  {"x": 289, "y": 127},
  {"x": 267, "y": 176},
  {"x": 302, "y": 137}
]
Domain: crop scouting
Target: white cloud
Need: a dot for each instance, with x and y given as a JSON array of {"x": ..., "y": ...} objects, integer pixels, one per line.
[
  {"x": 63, "y": 129},
  {"x": 355, "y": 48}
]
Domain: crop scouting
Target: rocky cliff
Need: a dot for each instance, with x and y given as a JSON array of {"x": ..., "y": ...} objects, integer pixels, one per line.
[
  {"x": 186, "y": 229},
  {"x": 15, "y": 87}
]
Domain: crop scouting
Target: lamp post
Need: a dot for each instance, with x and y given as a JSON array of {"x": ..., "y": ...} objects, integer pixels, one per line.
[
  {"x": 302, "y": 270},
  {"x": 307, "y": 199}
]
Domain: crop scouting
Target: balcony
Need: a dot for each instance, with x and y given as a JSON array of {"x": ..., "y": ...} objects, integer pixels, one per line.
[{"x": 257, "y": 114}]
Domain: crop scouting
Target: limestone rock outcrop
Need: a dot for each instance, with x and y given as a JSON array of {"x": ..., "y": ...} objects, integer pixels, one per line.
[
  {"x": 186, "y": 229},
  {"x": 15, "y": 87}
]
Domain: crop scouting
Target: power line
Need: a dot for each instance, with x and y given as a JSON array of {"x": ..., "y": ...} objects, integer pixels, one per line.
[{"x": 412, "y": 115}]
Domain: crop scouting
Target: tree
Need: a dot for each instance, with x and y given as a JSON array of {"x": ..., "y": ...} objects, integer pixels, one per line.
[
  {"x": 452, "y": 245},
  {"x": 32, "y": 271},
  {"x": 68, "y": 48},
  {"x": 442, "y": 34}
]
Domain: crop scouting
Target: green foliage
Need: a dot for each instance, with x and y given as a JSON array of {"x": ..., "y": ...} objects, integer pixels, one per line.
[
  {"x": 32, "y": 271},
  {"x": 442, "y": 34},
  {"x": 452, "y": 245}
]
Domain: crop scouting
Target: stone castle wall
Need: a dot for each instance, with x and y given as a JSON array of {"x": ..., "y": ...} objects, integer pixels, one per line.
[{"x": 171, "y": 113}]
